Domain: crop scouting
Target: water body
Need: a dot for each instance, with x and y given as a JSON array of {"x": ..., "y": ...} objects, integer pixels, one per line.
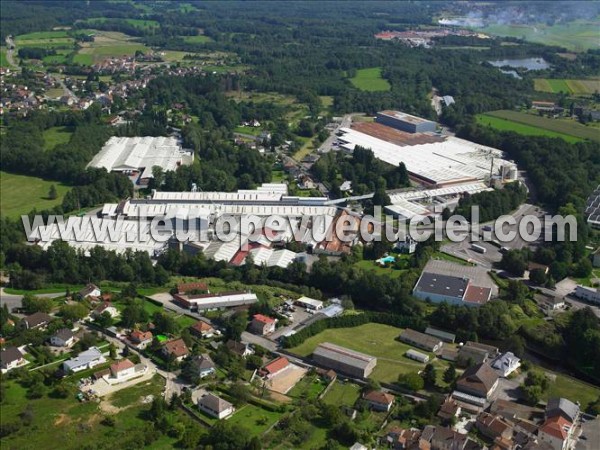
[
  {"x": 524, "y": 63},
  {"x": 512, "y": 73}
]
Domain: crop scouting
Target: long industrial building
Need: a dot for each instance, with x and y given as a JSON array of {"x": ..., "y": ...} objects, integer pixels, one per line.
[
  {"x": 136, "y": 156},
  {"x": 432, "y": 159},
  {"x": 344, "y": 360}
]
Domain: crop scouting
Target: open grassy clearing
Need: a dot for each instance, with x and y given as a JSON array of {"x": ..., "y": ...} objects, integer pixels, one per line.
[
  {"x": 42, "y": 35},
  {"x": 372, "y": 266},
  {"x": 108, "y": 44},
  {"x": 376, "y": 340},
  {"x": 572, "y": 87},
  {"x": 370, "y": 80},
  {"x": 137, "y": 23},
  {"x": 509, "y": 125},
  {"x": 199, "y": 39},
  {"x": 3, "y": 60},
  {"x": 548, "y": 127},
  {"x": 56, "y": 135},
  {"x": 254, "y": 419},
  {"x": 571, "y": 388},
  {"x": 20, "y": 194},
  {"x": 342, "y": 394}
]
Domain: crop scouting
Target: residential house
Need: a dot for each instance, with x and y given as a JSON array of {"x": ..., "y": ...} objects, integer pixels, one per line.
[
  {"x": 506, "y": 364},
  {"x": 202, "y": 329},
  {"x": 479, "y": 381},
  {"x": 140, "y": 339},
  {"x": 10, "y": 358},
  {"x": 262, "y": 325},
  {"x": 215, "y": 406},
  {"x": 62, "y": 338},
  {"x": 444, "y": 438},
  {"x": 91, "y": 290},
  {"x": 558, "y": 406},
  {"x": 403, "y": 439},
  {"x": 274, "y": 367},
  {"x": 122, "y": 369},
  {"x": 421, "y": 340},
  {"x": 379, "y": 400},
  {"x": 239, "y": 348},
  {"x": 175, "y": 349},
  {"x": 203, "y": 366},
  {"x": 85, "y": 360},
  {"x": 449, "y": 409},
  {"x": 105, "y": 307},
  {"x": 558, "y": 432},
  {"x": 493, "y": 426},
  {"x": 36, "y": 320},
  {"x": 475, "y": 353}
]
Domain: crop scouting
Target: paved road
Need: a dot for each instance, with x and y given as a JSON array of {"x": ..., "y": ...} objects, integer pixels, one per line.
[
  {"x": 259, "y": 340},
  {"x": 16, "y": 301},
  {"x": 10, "y": 52}
]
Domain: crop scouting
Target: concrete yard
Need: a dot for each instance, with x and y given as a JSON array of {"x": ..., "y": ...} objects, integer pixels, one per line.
[{"x": 287, "y": 379}]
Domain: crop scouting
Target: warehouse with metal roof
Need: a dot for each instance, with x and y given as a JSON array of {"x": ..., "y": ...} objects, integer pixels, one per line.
[{"x": 344, "y": 360}]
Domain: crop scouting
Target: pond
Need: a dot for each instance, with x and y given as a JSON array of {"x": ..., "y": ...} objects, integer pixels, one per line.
[{"x": 523, "y": 63}]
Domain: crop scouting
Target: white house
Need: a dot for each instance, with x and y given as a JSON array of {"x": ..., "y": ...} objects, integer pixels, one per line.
[
  {"x": 10, "y": 358},
  {"x": 105, "y": 307},
  {"x": 215, "y": 406},
  {"x": 91, "y": 290},
  {"x": 85, "y": 360},
  {"x": 506, "y": 364},
  {"x": 62, "y": 338},
  {"x": 122, "y": 369}
]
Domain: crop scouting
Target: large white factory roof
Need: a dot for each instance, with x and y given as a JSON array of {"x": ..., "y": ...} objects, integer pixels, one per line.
[
  {"x": 134, "y": 153},
  {"x": 450, "y": 160}
]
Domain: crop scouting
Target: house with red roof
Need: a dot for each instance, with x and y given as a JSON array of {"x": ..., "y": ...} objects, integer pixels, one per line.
[
  {"x": 262, "y": 324},
  {"x": 379, "y": 400},
  {"x": 122, "y": 369},
  {"x": 140, "y": 339},
  {"x": 202, "y": 329},
  {"x": 175, "y": 348},
  {"x": 275, "y": 367},
  {"x": 556, "y": 431}
]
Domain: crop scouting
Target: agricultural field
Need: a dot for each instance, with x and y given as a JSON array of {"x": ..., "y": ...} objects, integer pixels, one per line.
[
  {"x": 55, "y": 136},
  {"x": 45, "y": 39},
  {"x": 3, "y": 60},
  {"x": 20, "y": 194},
  {"x": 545, "y": 126},
  {"x": 376, "y": 340},
  {"x": 578, "y": 35},
  {"x": 572, "y": 87},
  {"x": 370, "y": 80},
  {"x": 108, "y": 44},
  {"x": 508, "y": 125}
]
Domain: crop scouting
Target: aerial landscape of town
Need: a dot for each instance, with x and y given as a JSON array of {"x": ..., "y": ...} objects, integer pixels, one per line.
[{"x": 243, "y": 225}]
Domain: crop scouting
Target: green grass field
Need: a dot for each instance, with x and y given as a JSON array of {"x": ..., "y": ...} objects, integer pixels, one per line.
[
  {"x": 42, "y": 35},
  {"x": 509, "y": 125},
  {"x": 373, "y": 339},
  {"x": 137, "y": 23},
  {"x": 108, "y": 44},
  {"x": 572, "y": 87},
  {"x": 20, "y": 194},
  {"x": 199, "y": 39},
  {"x": 372, "y": 266},
  {"x": 370, "y": 80},
  {"x": 571, "y": 388},
  {"x": 55, "y": 136},
  {"x": 578, "y": 35},
  {"x": 254, "y": 419},
  {"x": 541, "y": 126},
  {"x": 342, "y": 394},
  {"x": 3, "y": 60}
]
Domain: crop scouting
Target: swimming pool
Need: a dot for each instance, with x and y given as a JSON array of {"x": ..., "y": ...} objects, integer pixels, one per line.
[{"x": 386, "y": 259}]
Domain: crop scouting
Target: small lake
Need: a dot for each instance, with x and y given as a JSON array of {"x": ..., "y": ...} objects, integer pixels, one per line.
[
  {"x": 524, "y": 63},
  {"x": 512, "y": 73}
]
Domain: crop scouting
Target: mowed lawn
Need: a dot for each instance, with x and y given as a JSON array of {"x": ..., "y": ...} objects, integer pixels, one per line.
[
  {"x": 342, "y": 394},
  {"x": 370, "y": 80},
  {"x": 548, "y": 126},
  {"x": 571, "y": 388},
  {"x": 20, "y": 194},
  {"x": 509, "y": 125},
  {"x": 254, "y": 419},
  {"x": 373, "y": 339},
  {"x": 576, "y": 87},
  {"x": 56, "y": 135}
]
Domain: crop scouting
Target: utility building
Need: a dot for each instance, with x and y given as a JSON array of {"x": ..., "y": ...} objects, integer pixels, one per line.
[
  {"x": 344, "y": 360},
  {"x": 405, "y": 122}
]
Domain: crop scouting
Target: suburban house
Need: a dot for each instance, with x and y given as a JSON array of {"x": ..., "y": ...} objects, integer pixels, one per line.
[
  {"x": 506, "y": 364},
  {"x": 202, "y": 365},
  {"x": 36, "y": 320},
  {"x": 62, "y": 338},
  {"x": 175, "y": 349},
  {"x": 262, "y": 325},
  {"x": 215, "y": 406},
  {"x": 443, "y": 438},
  {"x": 402, "y": 439},
  {"x": 10, "y": 358},
  {"x": 105, "y": 307},
  {"x": 140, "y": 339},
  {"x": 475, "y": 353},
  {"x": 276, "y": 366},
  {"x": 558, "y": 406},
  {"x": 202, "y": 329},
  {"x": 493, "y": 426},
  {"x": 449, "y": 409},
  {"x": 421, "y": 340},
  {"x": 91, "y": 290},
  {"x": 239, "y": 348},
  {"x": 479, "y": 381},
  {"x": 379, "y": 401},
  {"x": 558, "y": 432},
  {"x": 122, "y": 369},
  {"x": 85, "y": 360}
]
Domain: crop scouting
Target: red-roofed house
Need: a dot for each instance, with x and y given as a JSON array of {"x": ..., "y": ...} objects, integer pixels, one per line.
[
  {"x": 202, "y": 329},
  {"x": 176, "y": 348},
  {"x": 556, "y": 431},
  {"x": 379, "y": 401},
  {"x": 274, "y": 367},
  {"x": 122, "y": 369},
  {"x": 262, "y": 324},
  {"x": 140, "y": 339}
]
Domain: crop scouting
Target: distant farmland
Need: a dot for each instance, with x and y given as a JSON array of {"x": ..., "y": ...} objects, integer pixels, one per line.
[
  {"x": 370, "y": 80},
  {"x": 530, "y": 124},
  {"x": 574, "y": 87}
]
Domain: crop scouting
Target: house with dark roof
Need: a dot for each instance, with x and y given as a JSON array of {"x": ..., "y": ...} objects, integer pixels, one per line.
[
  {"x": 476, "y": 353},
  {"x": 558, "y": 406},
  {"x": 91, "y": 290},
  {"x": 344, "y": 360},
  {"x": 493, "y": 426},
  {"x": 202, "y": 365},
  {"x": 449, "y": 409},
  {"x": 262, "y": 324},
  {"x": 403, "y": 439},
  {"x": 11, "y": 358},
  {"x": 62, "y": 338},
  {"x": 36, "y": 320},
  {"x": 443, "y": 335},
  {"x": 439, "y": 288},
  {"x": 239, "y": 348},
  {"x": 175, "y": 349},
  {"x": 379, "y": 400},
  {"x": 479, "y": 381},
  {"x": 215, "y": 406},
  {"x": 421, "y": 340},
  {"x": 105, "y": 307}
]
